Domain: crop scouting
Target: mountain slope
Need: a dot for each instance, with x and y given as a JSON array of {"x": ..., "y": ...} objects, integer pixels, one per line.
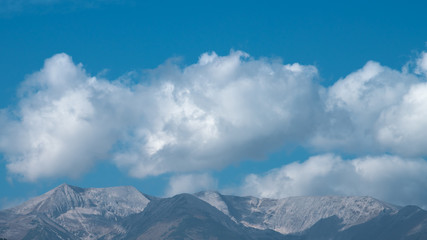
[
  {"x": 409, "y": 223},
  {"x": 31, "y": 227},
  {"x": 75, "y": 212},
  {"x": 296, "y": 214},
  {"x": 187, "y": 217},
  {"x": 70, "y": 213}
]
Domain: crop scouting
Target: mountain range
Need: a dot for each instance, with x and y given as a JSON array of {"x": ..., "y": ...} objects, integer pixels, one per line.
[{"x": 69, "y": 212}]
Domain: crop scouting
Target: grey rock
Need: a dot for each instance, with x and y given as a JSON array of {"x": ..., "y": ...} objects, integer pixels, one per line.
[{"x": 69, "y": 212}]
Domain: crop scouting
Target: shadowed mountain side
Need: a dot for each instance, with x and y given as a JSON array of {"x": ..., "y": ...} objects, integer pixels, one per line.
[
  {"x": 294, "y": 215},
  {"x": 410, "y": 223},
  {"x": 184, "y": 216}
]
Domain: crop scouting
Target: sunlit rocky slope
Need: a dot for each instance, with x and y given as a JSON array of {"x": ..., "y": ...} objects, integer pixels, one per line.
[{"x": 69, "y": 212}]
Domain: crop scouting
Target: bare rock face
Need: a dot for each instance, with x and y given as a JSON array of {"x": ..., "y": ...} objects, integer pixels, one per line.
[
  {"x": 185, "y": 216},
  {"x": 296, "y": 214},
  {"x": 81, "y": 213},
  {"x": 69, "y": 212}
]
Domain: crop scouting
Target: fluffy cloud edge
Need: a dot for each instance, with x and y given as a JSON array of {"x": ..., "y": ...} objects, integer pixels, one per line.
[
  {"x": 220, "y": 110},
  {"x": 196, "y": 118},
  {"x": 190, "y": 183},
  {"x": 393, "y": 179}
]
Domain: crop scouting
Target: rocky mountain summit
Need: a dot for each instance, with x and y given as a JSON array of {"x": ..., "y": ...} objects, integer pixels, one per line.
[
  {"x": 296, "y": 214},
  {"x": 69, "y": 212}
]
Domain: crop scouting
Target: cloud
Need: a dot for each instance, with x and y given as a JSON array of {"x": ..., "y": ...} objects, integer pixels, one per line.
[
  {"x": 207, "y": 115},
  {"x": 220, "y": 110},
  {"x": 63, "y": 123},
  {"x": 401, "y": 126},
  {"x": 373, "y": 110},
  {"x": 421, "y": 65},
  {"x": 190, "y": 183},
  {"x": 389, "y": 178}
]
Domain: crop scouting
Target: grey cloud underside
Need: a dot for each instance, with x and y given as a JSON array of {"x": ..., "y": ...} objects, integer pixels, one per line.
[{"x": 69, "y": 212}]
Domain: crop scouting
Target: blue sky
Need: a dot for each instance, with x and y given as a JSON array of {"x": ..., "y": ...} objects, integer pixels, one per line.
[{"x": 269, "y": 99}]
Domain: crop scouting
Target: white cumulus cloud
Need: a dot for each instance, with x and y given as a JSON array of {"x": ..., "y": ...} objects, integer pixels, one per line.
[
  {"x": 62, "y": 124},
  {"x": 220, "y": 110},
  {"x": 389, "y": 178},
  {"x": 422, "y": 63},
  {"x": 207, "y": 115},
  {"x": 361, "y": 113},
  {"x": 190, "y": 183}
]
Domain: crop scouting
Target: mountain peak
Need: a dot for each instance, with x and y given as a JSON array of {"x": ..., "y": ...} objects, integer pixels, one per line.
[
  {"x": 215, "y": 199},
  {"x": 76, "y": 208},
  {"x": 296, "y": 214},
  {"x": 121, "y": 201},
  {"x": 70, "y": 212},
  {"x": 66, "y": 186},
  {"x": 66, "y": 189}
]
